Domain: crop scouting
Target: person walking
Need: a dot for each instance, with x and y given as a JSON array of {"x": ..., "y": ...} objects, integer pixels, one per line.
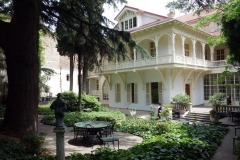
[
  {"x": 159, "y": 110},
  {"x": 229, "y": 101}
]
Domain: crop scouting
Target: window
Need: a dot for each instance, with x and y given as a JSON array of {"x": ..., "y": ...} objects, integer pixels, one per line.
[
  {"x": 122, "y": 26},
  {"x": 154, "y": 93},
  {"x": 131, "y": 54},
  {"x": 132, "y": 93},
  {"x": 186, "y": 49},
  {"x": 97, "y": 84},
  {"x": 117, "y": 92},
  {"x": 68, "y": 77},
  {"x": 134, "y": 22},
  {"x": 206, "y": 54},
  {"x": 152, "y": 49},
  {"x": 126, "y": 24},
  {"x": 220, "y": 54},
  {"x": 105, "y": 90},
  {"x": 130, "y": 23}
]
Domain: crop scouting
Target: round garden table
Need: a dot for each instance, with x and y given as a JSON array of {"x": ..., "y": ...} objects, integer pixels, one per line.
[{"x": 95, "y": 124}]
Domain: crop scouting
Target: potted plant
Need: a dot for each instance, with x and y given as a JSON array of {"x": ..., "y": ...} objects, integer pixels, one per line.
[
  {"x": 167, "y": 112},
  {"x": 217, "y": 99},
  {"x": 182, "y": 102},
  {"x": 212, "y": 114}
]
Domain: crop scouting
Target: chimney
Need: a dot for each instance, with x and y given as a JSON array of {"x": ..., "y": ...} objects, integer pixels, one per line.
[{"x": 171, "y": 13}]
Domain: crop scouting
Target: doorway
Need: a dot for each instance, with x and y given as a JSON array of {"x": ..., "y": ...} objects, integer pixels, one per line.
[
  {"x": 187, "y": 90},
  {"x": 154, "y": 92}
]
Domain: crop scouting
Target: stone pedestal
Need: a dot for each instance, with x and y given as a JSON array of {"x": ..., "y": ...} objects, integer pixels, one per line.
[{"x": 60, "y": 145}]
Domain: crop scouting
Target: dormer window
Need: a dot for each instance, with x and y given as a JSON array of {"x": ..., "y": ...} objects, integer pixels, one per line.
[
  {"x": 134, "y": 22},
  {"x": 130, "y": 23},
  {"x": 122, "y": 26},
  {"x": 126, "y": 24}
]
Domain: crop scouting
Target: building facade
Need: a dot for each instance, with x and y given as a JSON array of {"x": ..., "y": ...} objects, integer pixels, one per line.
[{"x": 180, "y": 61}]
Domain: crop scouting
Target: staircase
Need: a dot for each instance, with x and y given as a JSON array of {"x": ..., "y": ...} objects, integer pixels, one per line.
[{"x": 193, "y": 116}]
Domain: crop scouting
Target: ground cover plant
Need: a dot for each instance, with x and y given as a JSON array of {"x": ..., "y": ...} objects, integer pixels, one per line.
[
  {"x": 162, "y": 140},
  {"x": 103, "y": 114}
]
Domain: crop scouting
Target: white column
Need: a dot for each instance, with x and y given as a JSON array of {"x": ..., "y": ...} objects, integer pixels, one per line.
[
  {"x": 194, "y": 51},
  {"x": 173, "y": 46},
  {"x": 134, "y": 57},
  {"x": 203, "y": 53},
  {"x": 156, "y": 45},
  {"x": 183, "y": 50},
  {"x": 212, "y": 52}
]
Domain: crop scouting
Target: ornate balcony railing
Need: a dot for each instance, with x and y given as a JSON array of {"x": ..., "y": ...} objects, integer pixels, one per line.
[
  {"x": 94, "y": 92},
  {"x": 166, "y": 59}
]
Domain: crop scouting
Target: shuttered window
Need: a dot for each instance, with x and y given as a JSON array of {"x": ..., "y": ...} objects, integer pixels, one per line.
[
  {"x": 160, "y": 99},
  {"x": 132, "y": 93},
  {"x": 148, "y": 95},
  {"x": 117, "y": 92}
]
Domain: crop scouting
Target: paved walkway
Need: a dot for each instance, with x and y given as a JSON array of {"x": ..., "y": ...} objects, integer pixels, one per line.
[{"x": 225, "y": 151}]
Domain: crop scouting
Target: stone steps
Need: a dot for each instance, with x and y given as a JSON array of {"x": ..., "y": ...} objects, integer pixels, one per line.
[{"x": 192, "y": 117}]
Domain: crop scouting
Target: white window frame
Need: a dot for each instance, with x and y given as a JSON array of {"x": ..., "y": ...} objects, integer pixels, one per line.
[
  {"x": 220, "y": 54},
  {"x": 134, "y": 21},
  {"x": 105, "y": 91},
  {"x": 187, "y": 49},
  {"x": 126, "y": 25},
  {"x": 130, "y": 92},
  {"x": 152, "y": 49},
  {"x": 117, "y": 93},
  {"x": 148, "y": 93}
]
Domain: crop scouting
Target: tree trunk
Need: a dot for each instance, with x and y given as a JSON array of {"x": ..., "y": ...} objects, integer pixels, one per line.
[
  {"x": 79, "y": 79},
  {"x": 71, "y": 71},
  {"x": 21, "y": 49},
  {"x": 84, "y": 79}
]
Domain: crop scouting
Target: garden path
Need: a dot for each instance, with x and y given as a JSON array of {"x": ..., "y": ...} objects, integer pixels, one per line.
[
  {"x": 126, "y": 140},
  {"x": 225, "y": 151}
]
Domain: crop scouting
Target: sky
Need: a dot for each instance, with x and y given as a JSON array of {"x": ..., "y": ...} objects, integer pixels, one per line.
[{"x": 154, "y": 6}]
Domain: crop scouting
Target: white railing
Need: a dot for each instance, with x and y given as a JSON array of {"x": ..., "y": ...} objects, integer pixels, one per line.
[
  {"x": 166, "y": 59},
  {"x": 94, "y": 92}
]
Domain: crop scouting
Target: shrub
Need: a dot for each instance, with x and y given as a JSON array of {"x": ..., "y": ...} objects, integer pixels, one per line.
[
  {"x": 45, "y": 110},
  {"x": 166, "y": 111},
  {"x": 32, "y": 144},
  {"x": 181, "y": 99},
  {"x": 163, "y": 127},
  {"x": 73, "y": 117},
  {"x": 212, "y": 111},
  {"x": 90, "y": 102},
  {"x": 71, "y": 100},
  {"x": 217, "y": 98}
]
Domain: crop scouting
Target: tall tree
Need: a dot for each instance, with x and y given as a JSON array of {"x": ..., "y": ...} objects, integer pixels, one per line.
[{"x": 19, "y": 40}]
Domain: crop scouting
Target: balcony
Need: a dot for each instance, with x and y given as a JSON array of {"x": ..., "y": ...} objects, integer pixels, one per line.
[
  {"x": 94, "y": 93},
  {"x": 185, "y": 61}
]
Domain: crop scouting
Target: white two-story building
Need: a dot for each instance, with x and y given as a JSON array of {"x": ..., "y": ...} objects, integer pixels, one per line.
[{"x": 181, "y": 62}]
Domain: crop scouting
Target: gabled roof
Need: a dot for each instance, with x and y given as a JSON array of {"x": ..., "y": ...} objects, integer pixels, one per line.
[
  {"x": 136, "y": 10},
  {"x": 188, "y": 18}
]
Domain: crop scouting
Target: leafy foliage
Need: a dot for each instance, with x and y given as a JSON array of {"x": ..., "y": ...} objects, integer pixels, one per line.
[
  {"x": 162, "y": 140},
  {"x": 181, "y": 99},
  {"x": 45, "y": 110},
  {"x": 91, "y": 102},
  {"x": 217, "y": 98},
  {"x": 166, "y": 111},
  {"x": 73, "y": 117},
  {"x": 71, "y": 100},
  {"x": 32, "y": 144}
]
